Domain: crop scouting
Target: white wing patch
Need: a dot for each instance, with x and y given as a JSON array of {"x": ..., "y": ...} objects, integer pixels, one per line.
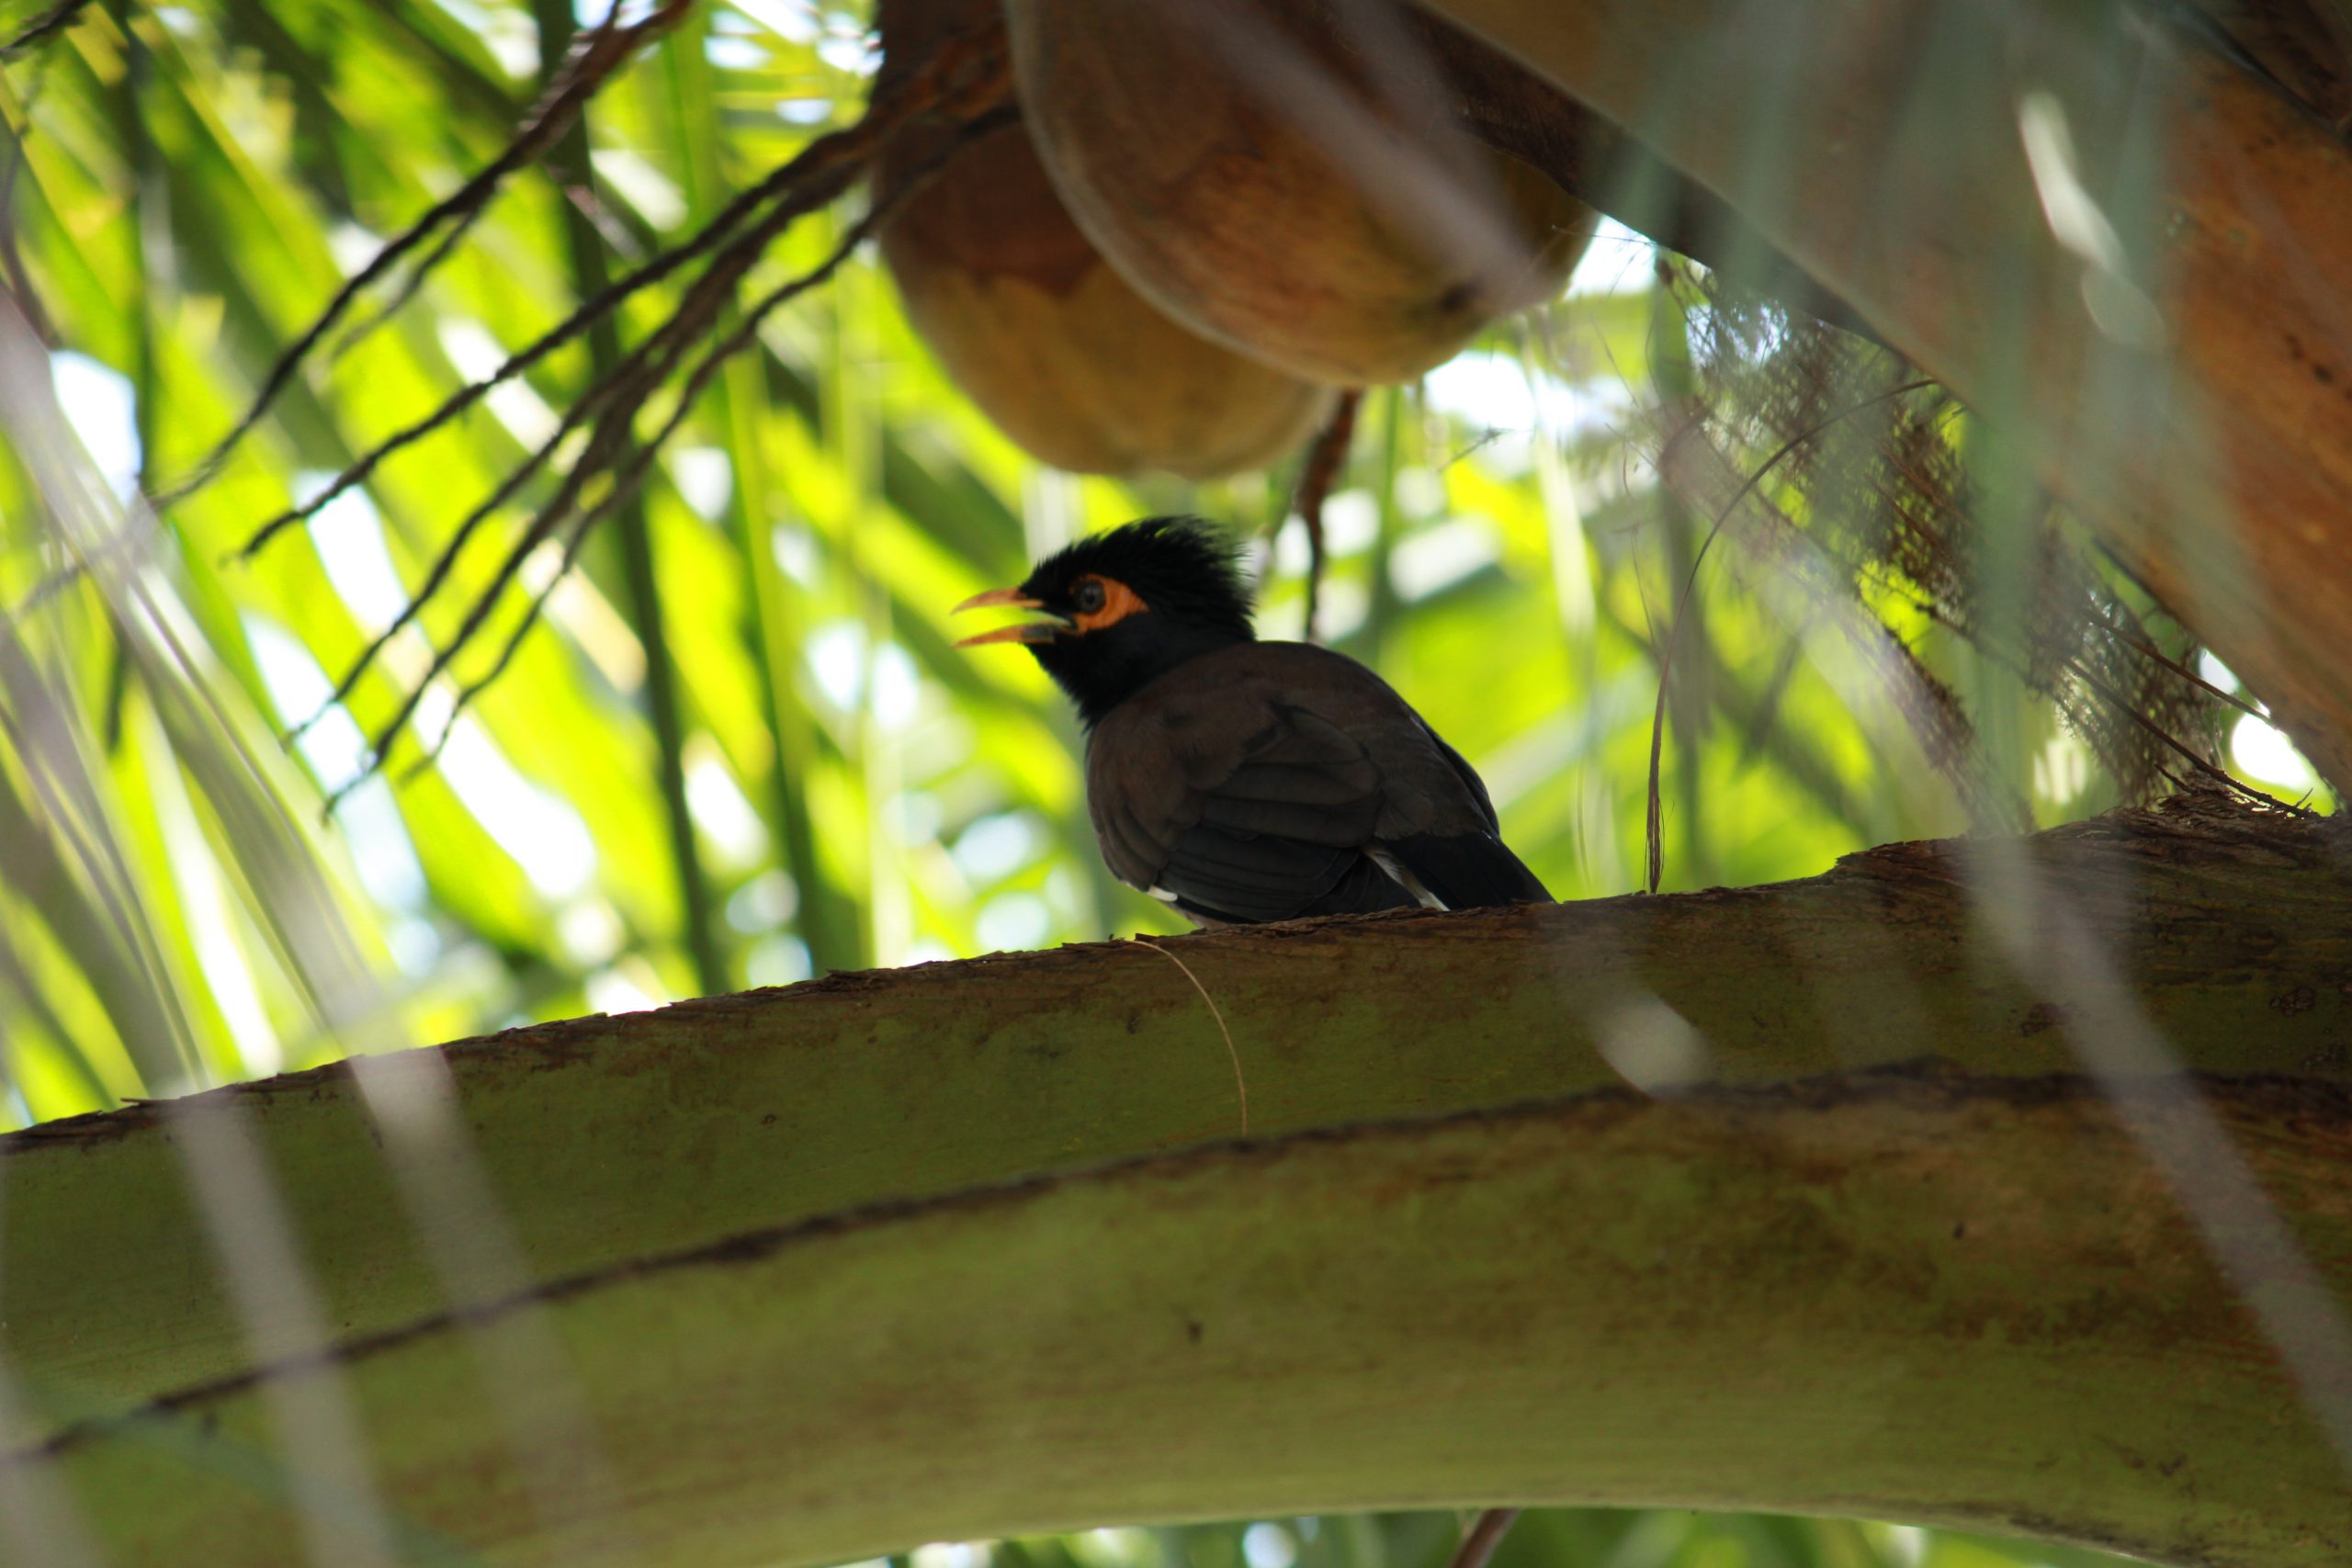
[{"x": 1401, "y": 878}]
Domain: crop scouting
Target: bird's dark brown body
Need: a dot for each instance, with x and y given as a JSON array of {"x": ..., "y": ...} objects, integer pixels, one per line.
[
  {"x": 1245, "y": 780},
  {"x": 1274, "y": 779}
]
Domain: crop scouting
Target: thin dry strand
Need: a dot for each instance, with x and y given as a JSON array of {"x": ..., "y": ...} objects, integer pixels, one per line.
[
  {"x": 1325, "y": 454},
  {"x": 1240, "y": 1084},
  {"x": 1655, "y": 829}
]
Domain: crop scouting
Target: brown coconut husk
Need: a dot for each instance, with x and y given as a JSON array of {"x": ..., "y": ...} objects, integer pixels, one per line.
[
  {"x": 1042, "y": 335},
  {"x": 1053, "y": 346},
  {"x": 1290, "y": 182}
]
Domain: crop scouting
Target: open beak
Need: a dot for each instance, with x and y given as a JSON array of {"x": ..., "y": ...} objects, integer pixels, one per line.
[{"x": 1010, "y": 598}]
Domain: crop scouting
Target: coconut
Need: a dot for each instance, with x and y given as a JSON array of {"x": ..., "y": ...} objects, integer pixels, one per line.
[
  {"x": 1053, "y": 346},
  {"x": 1290, "y": 186}
]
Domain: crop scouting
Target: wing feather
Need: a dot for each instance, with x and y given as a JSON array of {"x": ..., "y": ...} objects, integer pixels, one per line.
[{"x": 1274, "y": 780}]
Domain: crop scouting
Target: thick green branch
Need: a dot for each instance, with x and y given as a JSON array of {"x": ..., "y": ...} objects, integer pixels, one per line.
[
  {"x": 807, "y": 1319},
  {"x": 1956, "y": 1300}
]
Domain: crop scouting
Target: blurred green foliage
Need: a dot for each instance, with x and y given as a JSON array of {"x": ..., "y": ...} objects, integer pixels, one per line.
[
  {"x": 1543, "y": 1537},
  {"x": 191, "y": 182}
]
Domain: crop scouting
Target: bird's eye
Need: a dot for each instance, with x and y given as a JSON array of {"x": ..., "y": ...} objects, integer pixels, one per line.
[{"x": 1087, "y": 596}]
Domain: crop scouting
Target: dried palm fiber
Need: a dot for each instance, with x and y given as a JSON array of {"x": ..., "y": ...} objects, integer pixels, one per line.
[
  {"x": 1884, "y": 487},
  {"x": 2304, "y": 46}
]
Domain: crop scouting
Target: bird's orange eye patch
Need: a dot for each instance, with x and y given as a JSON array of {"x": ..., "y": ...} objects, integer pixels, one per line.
[{"x": 1103, "y": 603}]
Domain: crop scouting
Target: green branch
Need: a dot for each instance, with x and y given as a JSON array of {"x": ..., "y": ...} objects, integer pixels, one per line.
[{"x": 955, "y": 1251}]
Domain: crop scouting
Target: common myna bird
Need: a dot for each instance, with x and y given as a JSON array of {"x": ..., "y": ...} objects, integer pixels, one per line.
[{"x": 1245, "y": 780}]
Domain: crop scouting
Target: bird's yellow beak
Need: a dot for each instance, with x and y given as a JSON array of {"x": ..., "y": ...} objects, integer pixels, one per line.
[{"x": 1009, "y": 599}]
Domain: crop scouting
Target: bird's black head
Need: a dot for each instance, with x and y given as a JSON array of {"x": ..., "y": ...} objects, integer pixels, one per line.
[{"x": 1127, "y": 607}]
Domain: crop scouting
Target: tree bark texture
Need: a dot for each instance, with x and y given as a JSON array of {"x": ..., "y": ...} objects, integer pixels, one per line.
[
  {"x": 2003, "y": 1184},
  {"x": 2127, "y": 252}
]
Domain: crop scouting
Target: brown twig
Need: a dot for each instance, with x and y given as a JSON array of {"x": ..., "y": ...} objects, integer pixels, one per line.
[
  {"x": 409, "y": 285},
  {"x": 56, "y": 19},
  {"x": 823, "y": 169},
  {"x": 968, "y": 78},
  {"x": 965, "y": 74},
  {"x": 610, "y": 437},
  {"x": 1485, "y": 1534},
  {"x": 1325, "y": 456},
  {"x": 638, "y": 372},
  {"x": 601, "y": 53},
  {"x": 631, "y": 478}
]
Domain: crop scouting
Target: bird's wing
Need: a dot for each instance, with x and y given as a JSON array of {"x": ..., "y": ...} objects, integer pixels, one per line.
[
  {"x": 1276, "y": 780},
  {"x": 1229, "y": 803},
  {"x": 1455, "y": 853}
]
